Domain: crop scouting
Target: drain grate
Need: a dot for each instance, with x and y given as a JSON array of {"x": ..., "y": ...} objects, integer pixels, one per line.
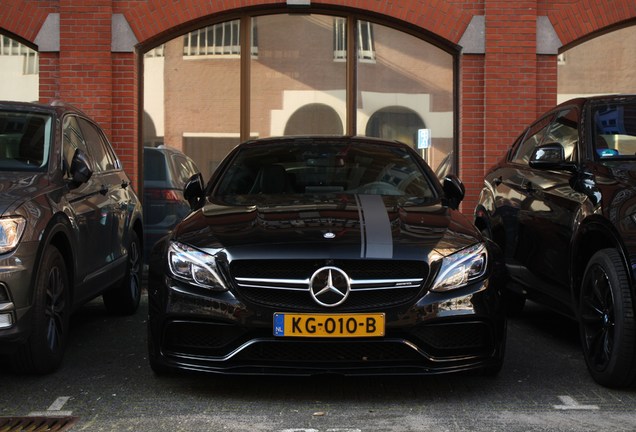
[{"x": 36, "y": 424}]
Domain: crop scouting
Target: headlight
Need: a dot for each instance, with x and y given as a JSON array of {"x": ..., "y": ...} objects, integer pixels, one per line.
[
  {"x": 461, "y": 268},
  {"x": 194, "y": 266},
  {"x": 11, "y": 229}
]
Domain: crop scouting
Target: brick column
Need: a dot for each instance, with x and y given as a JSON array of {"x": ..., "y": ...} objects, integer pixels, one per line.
[
  {"x": 85, "y": 59},
  {"x": 125, "y": 114},
  {"x": 471, "y": 138},
  {"x": 49, "y": 76},
  {"x": 510, "y": 79},
  {"x": 96, "y": 80}
]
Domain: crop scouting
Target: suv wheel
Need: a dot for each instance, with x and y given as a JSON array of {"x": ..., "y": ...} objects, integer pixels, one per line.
[
  {"x": 607, "y": 324},
  {"x": 123, "y": 299},
  {"x": 43, "y": 351}
]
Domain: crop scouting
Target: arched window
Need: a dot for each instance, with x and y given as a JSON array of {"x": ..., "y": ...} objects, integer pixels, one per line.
[
  {"x": 605, "y": 64},
  {"x": 300, "y": 76}
]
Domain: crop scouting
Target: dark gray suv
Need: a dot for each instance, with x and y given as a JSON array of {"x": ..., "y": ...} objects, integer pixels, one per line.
[
  {"x": 166, "y": 171},
  {"x": 70, "y": 229}
]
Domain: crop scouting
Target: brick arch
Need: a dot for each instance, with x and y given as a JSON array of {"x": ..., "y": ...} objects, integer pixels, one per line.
[
  {"x": 151, "y": 19},
  {"x": 23, "y": 18},
  {"x": 578, "y": 21}
]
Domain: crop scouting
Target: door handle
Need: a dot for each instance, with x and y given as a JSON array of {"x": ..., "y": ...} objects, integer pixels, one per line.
[
  {"x": 497, "y": 181},
  {"x": 124, "y": 184},
  {"x": 103, "y": 190}
]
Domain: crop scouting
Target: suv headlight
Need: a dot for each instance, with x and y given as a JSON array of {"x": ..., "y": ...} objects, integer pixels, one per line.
[
  {"x": 11, "y": 229},
  {"x": 461, "y": 268},
  {"x": 194, "y": 266}
]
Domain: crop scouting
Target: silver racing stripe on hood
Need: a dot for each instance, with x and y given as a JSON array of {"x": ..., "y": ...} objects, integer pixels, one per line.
[{"x": 375, "y": 227}]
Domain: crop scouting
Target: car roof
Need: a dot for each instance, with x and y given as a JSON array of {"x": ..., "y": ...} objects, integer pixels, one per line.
[
  {"x": 596, "y": 98},
  {"x": 57, "y": 106},
  {"x": 340, "y": 139},
  {"x": 164, "y": 149}
]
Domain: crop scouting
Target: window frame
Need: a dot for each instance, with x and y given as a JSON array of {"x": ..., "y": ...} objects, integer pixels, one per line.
[
  {"x": 520, "y": 154},
  {"x": 100, "y": 144}
]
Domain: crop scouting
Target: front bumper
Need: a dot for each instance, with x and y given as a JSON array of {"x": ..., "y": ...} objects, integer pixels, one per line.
[
  {"x": 218, "y": 333},
  {"x": 17, "y": 273}
]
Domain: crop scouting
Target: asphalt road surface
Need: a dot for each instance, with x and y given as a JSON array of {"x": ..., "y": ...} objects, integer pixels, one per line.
[{"x": 105, "y": 384}]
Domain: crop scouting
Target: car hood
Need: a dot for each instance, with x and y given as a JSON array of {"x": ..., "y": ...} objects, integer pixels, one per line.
[
  {"x": 353, "y": 227},
  {"x": 17, "y": 187}
]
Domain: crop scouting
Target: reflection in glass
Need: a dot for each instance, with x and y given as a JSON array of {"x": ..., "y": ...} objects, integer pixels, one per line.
[
  {"x": 604, "y": 64},
  {"x": 407, "y": 88},
  {"x": 195, "y": 78},
  {"x": 19, "y": 71},
  {"x": 295, "y": 82},
  {"x": 297, "y": 85}
]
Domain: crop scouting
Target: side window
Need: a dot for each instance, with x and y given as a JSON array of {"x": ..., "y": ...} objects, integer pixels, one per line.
[
  {"x": 564, "y": 130},
  {"x": 533, "y": 138},
  {"x": 184, "y": 167},
  {"x": 98, "y": 147},
  {"x": 72, "y": 140}
]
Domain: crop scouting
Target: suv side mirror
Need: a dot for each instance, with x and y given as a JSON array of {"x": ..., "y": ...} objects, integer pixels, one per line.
[
  {"x": 193, "y": 191},
  {"x": 81, "y": 170},
  {"x": 454, "y": 190},
  {"x": 550, "y": 156}
]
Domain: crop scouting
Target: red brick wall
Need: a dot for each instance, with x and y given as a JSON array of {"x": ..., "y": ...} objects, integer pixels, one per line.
[
  {"x": 472, "y": 151},
  {"x": 125, "y": 108},
  {"x": 500, "y": 91}
]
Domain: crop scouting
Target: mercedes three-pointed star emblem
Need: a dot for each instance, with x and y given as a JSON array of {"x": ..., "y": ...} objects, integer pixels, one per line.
[{"x": 329, "y": 286}]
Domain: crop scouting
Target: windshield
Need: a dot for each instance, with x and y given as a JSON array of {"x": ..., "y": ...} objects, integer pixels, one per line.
[
  {"x": 24, "y": 140},
  {"x": 323, "y": 168},
  {"x": 615, "y": 130}
]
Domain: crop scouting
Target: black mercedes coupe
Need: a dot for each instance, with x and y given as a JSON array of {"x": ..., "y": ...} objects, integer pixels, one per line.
[{"x": 311, "y": 255}]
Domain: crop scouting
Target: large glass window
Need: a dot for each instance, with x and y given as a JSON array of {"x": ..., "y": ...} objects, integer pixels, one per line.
[
  {"x": 193, "y": 106},
  {"x": 304, "y": 74},
  {"x": 19, "y": 71},
  {"x": 605, "y": 64},
  {"x": 407, "y": 93},
  {"x": 296, "y": 77}
]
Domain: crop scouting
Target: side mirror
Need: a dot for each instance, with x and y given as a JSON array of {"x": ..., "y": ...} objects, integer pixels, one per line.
[
  {"x": 193, "y": 191},
  {"x": 81, "y": 170},
  {"x": 454, "y": 190},
  {"x": 550, "y": 156}
]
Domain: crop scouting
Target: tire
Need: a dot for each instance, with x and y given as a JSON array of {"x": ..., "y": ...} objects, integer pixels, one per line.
[
  {"x": 42, "y": 353},
  {"x": 606, "y": 321},
  {"x": 123, "y": 299}
]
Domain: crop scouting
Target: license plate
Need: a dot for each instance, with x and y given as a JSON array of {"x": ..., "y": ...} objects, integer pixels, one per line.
[{"x": 328, "y": 325}]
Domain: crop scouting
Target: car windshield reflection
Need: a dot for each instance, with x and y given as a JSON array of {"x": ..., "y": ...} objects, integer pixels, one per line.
[{"x": 323, "y": 169}]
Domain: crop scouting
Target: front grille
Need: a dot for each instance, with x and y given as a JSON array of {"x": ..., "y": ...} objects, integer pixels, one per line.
[
  {"x": 375, "y": 284},
  {"x": 449, "y": 338},
  {"x": 332, "y": 352},
  {"x": 199, "y": 338}
]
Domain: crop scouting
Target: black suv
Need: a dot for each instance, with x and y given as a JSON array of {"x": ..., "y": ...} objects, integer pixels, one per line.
[
  {"x": 70, "y": 229},
  {"x": 562, "y": 206}
]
